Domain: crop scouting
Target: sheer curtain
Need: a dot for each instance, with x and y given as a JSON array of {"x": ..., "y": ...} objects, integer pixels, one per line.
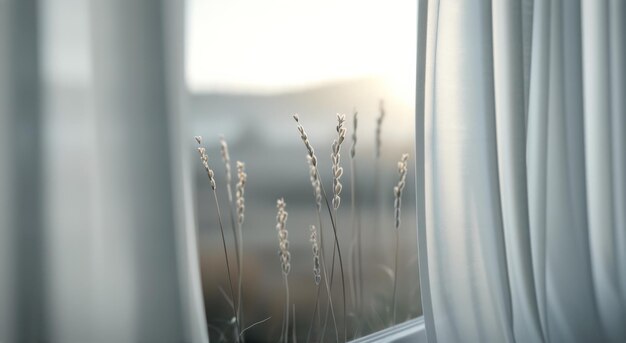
[
  {"x": 521, "y": 133},
  {"x": 97, "y": 239}
]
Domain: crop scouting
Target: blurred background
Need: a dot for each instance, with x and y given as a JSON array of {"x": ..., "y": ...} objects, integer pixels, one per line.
[
  {"x": 251, "y": 66},
  {"x": 104, "y": 205}
]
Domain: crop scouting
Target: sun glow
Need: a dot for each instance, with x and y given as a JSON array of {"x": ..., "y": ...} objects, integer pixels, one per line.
[{"x": 277, "y": 45}]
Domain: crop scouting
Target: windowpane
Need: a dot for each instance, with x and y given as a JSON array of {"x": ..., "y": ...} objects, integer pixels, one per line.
[{"x": 250, "y": 66}]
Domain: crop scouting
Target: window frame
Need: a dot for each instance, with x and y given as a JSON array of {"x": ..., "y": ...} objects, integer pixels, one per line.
[{"x": 413, "y": 330}]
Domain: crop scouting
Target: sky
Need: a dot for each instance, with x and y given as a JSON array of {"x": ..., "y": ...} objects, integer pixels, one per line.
[{"x": 272, "y": 46}]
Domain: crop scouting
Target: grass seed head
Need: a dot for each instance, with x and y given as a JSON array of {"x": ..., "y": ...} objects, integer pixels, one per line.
[
  {"x": 316, "y": 255},
  {"x": 336, "y": 160},
  {"x": 397, "y": 190},
  {"x": 283, "y": 236},
  {"x": 379, "y": 124},
  {"x": 204, "y": 158},
  {"x": 226, "y": 159},
  {"x": 240, "y": 201},
  {"x": 354, "y": 125}
]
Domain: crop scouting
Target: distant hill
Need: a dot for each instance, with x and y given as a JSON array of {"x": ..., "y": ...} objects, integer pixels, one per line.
[
  {"x": 261, "y": 132},
  {"x": 340, "y": 96}
]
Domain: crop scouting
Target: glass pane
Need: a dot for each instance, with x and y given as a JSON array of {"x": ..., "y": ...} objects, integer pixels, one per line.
[{"x": 250, "y": 66}]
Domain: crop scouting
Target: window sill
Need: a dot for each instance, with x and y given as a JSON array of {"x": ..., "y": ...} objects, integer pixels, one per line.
[{"x": 412, "y": 331}]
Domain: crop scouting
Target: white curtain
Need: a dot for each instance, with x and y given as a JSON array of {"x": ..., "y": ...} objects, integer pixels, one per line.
[
  {"x": 97, "y": 239},
  {"x": 521, "y": 140}
]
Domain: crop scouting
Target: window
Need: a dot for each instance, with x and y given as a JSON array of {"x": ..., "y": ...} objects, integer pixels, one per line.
[{"x": 250, "y": 66}]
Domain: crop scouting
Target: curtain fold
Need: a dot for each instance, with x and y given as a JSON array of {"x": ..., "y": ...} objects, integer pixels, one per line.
[
  {"x": 524, "y": 148},
  {"x": 22, "y": 238},
  {"x": 510, "y": 104},
  {"x": 97, "y": 236}
]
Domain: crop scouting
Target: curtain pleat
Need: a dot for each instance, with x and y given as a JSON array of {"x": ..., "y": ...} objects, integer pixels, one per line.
[
  {"x": 597, "y": 31},
  {"x": 617, "y": 42},
  {"x": 508, "y": 65},
  {"x": 460, "y": 124},
  {"x": 524, "y": 169}
]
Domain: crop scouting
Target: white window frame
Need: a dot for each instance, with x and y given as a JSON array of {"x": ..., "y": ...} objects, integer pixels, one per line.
[{"x": 413, "y": 331}]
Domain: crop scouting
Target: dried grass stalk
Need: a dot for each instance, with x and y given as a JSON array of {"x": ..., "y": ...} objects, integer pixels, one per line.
[
  {"x": 317, "y": 275},
  {"x": 355, "y": 253},
  {"x": 379, "y": 125},
  {"x": 204, "y": 158},
  {"x": 283, "y": 236},
  {"x": 336, "y": 159},
  {"x": 397, "y": 191},
  {"x": 236, "y": 235},
  {"x": 318, "y": 191},
  {"x": 285, "y": 259},
  {"x": 316, "y": 255},
  {"x": 242, "y": 177}
]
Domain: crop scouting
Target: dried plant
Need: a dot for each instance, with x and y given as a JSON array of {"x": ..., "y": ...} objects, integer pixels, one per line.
[
  {"x": 236, "y": 235},
  {"x": 397, "y": 191},
  {"x": 229, "y": 191},
  {"x": 357, "y": 269},
  {"x": 305, "y": 140},
  {"x": 336, "y": 159},
  {"x": 317, "y": 276},
  {"x": 379, "y": 126},
  {"x": 283, "y": 241},
  {"x": 318, "y": 191},
  {"x": 237, "y": 212},
  {"x": 204, "y": 158},
  {"x": 285, "y": 259},
  {"x": 377, "y": 166},
  {"x": 355, "y": 118},
  {"x": 337, "y": 173},
  {"x": 242, "y": 177},
  {"x": 226, "y": 159},
  {"x": 315, "y": 183},
  {"x": 316, "y": 255}
]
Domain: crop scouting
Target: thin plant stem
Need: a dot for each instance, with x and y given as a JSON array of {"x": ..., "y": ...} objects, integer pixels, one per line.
[
  {"x": 356, "y": 221},
  {"x": 332, "y": 277},
  {"x": 402, "y": 170},
  {"x": 395, "y": 277},
  {"x": 238, "y": 256},
  {"x": 353, "y": 262},
  {"x": 240, "y": 281},
  {"x": 328, "y": 289},
  {"x": 357, "y": 231},
  {"x": 253, "y": 325},
  {"x": 236, "y": 234},
  {"x": 230, "y": 279},
  {"x": 233, "y": 226},
  {"x": 336, "y": 246},
  {"x": 377, "y": 177},
  {"x": 242, "y": 179},
  {"x": 360, "y": 253},
  {"x": 315, "y": 311},
  {"x": 286, "y": 335},
  {"x": 294, "y": 335},
  {"x": 238, "y": 248}
]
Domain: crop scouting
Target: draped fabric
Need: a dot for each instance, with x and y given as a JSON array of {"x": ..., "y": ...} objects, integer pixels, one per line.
[
  {"x": 521, "y": 139},
  {"x": 97, "y": 239}
]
